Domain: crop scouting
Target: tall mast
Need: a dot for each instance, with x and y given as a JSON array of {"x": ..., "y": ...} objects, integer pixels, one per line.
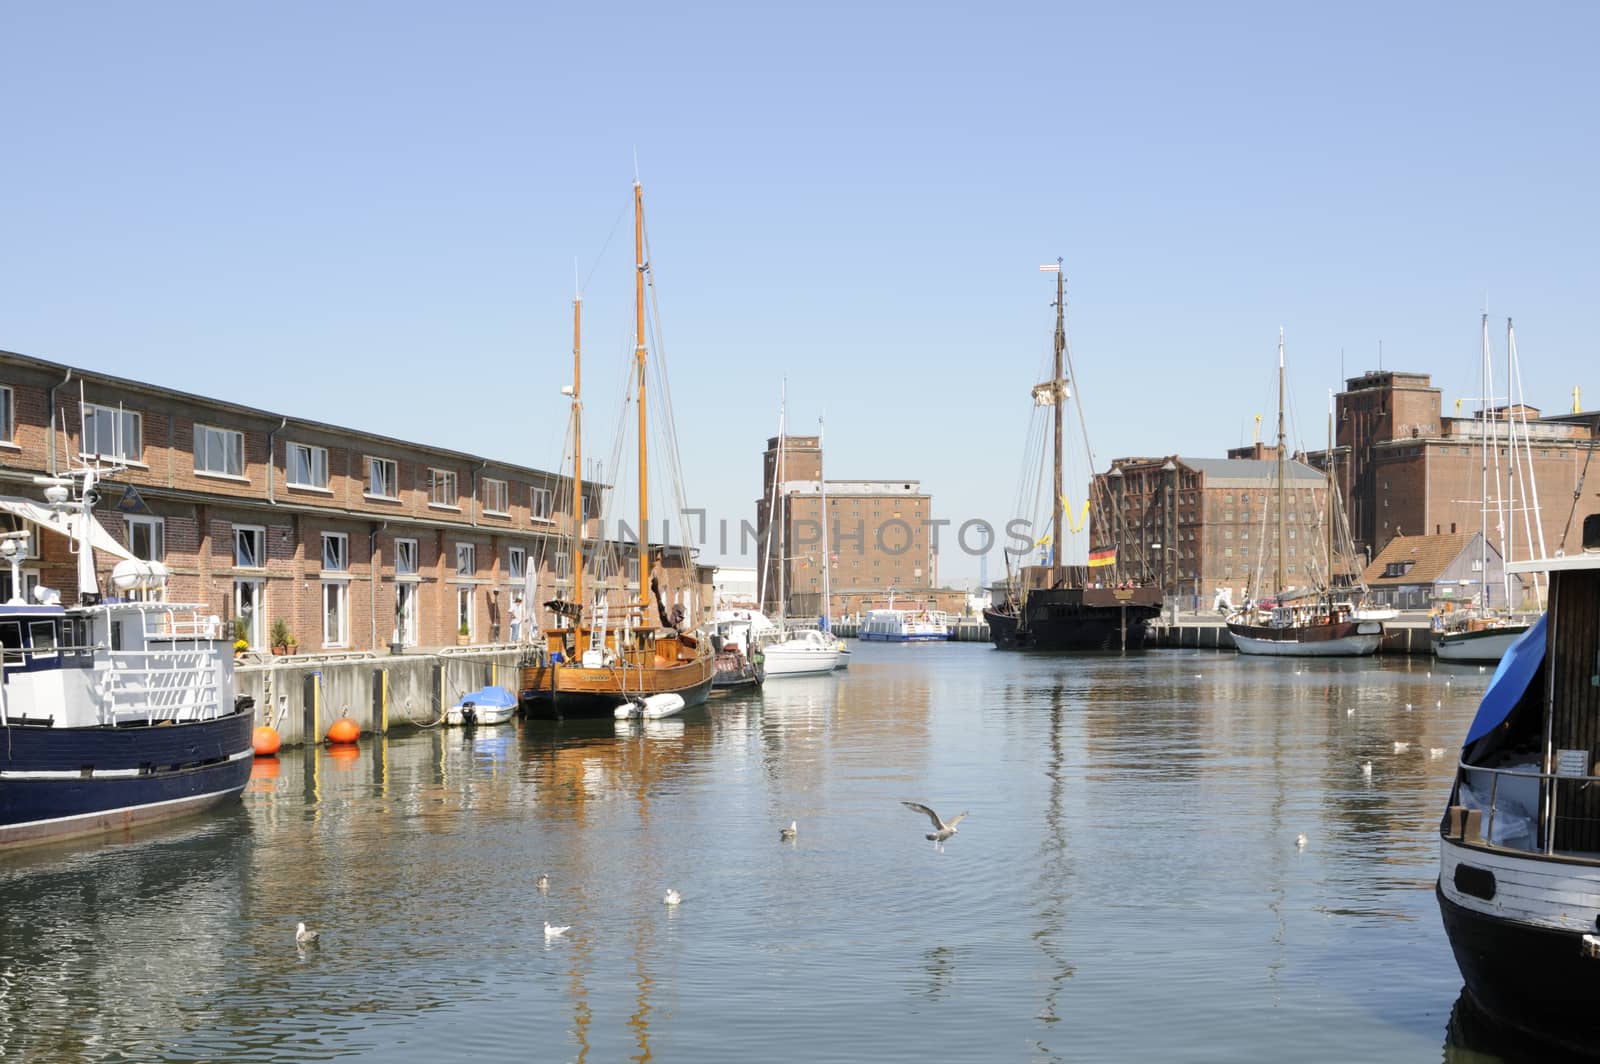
[
  {"x": 781, "y": 509},
  {"x": 827, "y": 595},
  {"x": 1283, "y": 472},
  {"x": 638, "y": 356},
  {"x": 1508, "y": 539},
  {"x": 1060, "y": 402},
  {"x": 1330, "y": 491},
  {"x": 1483, "y": 503},
  {"x": 577, "y": 458}
]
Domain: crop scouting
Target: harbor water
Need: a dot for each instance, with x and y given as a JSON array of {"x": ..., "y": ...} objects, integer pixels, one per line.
[{"x": 1129, "y": 884}]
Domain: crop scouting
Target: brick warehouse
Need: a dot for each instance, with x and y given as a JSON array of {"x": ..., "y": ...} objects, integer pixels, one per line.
[
  {"x": 1216, "y": 523},
  {"x": 348, "y": 537},
  {"x": 879, "y": 539},
  {"x": 1404, "y": 468}
]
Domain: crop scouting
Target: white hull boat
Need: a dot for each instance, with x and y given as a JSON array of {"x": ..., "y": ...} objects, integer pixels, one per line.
[
  {"x": 651, "y": 707},
  {"x": 489, "y": 705},
  {"x": 1487, "y": 645},
  {"x": 806, "y": 654},
  {"x": 1349, "y": 646}
]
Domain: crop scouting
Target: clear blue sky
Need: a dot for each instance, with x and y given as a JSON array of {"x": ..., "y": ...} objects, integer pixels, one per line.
[{"x": 368, "y": 213}]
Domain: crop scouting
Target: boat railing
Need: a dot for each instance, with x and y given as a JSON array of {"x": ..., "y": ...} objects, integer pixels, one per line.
[
  {"x": 150, "y": 686},
  {"x": 1505, "y": 808}
]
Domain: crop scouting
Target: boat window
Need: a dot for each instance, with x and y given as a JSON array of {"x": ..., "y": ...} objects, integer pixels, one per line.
[
  {"x": 116, "y": 635},
  {"x": 11, "y": 638},
  {"x": 42, "y": 638}
]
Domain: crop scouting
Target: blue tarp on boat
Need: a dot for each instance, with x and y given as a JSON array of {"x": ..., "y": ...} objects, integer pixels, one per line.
[
  {"x": 489, "y": 696},
  {"x": 1509, "y": 682}
]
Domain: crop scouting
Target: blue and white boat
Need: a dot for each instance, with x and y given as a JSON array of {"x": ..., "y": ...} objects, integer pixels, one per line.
[
  {"x": 904, "y": 626},
  {"x": 112, "y": 713}
]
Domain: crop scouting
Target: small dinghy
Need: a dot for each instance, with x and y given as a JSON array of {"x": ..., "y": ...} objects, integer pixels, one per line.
[
  {"x": 651, "y": 707},
  {"x": 487, "y": 705}
]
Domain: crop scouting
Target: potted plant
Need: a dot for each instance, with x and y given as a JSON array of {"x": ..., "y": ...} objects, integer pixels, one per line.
[
  {"x": 281, "y": 636},
  {"x": 294, "y": 644},
  {"x": 463, "y": 635},
  {"x": 240, "y": 646}
]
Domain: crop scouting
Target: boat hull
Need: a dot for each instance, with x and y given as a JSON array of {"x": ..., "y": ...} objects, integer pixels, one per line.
[
  {"x": 919, "y": 637},
  {"x": 60, "y": 783},
  {"x": 1520, "y": 971},
  {"x": 1077, "y": 619},
  {"x": 555, "y": 691},
  {"x": 1488, "y": 645},
  {"x": 1346, "y": 639},
  {"x": 803, "y": 662}
]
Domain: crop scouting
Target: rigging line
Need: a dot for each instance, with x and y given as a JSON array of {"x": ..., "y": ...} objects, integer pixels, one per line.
[
  {"x": 1577, "y": 493},
  {"x": 669, "y": 419},
  {"x": 601, "y": 255}
]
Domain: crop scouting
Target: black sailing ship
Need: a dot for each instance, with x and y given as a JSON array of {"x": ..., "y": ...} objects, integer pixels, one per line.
[{"x": 1061, "y": 607}]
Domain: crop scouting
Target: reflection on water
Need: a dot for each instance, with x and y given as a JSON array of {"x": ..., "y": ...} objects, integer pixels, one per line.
[{"x": 1126, "y": 887}]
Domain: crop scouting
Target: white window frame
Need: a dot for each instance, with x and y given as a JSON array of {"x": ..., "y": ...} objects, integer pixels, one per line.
[
  {"x": 341, "y": 616},
  {"x": 156, "y": 530},
  {"x": 376, "y": 483},
  {"x": 311, "y": 453},
  {"x": 256, "y": 624},
  {"x": 231, "y": 443},
  {"x": 541, "y": 504},
  {"x": 443, "y": 479},
  {"x": 8, "y": 415},
  {"x": 516, "y": 563},
  {"x": 259, "y": 533},
  {"x": 336, "y": 560},
  {"x": 406, "y": 619},
  {"x": 406, "y": 557},
  {"x": 466, "y": 559},
  {"x": 494, "y": 487},
  {"x": 127, "y": 428},
  {"x": 467, "y": 610}
]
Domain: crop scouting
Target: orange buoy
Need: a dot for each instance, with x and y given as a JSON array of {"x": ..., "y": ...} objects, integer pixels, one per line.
[
  {"x": 344, "y": 730},
  {"x": 266, "y": 741}
]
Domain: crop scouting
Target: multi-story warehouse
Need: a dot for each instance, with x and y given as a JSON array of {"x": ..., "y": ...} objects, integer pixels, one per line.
[
  {"x": 1194, "y": 525},
  {"x": 1404, "y": 468},
  {"x": 880, "y": 539},
  {"x": 351, "y": 539}
]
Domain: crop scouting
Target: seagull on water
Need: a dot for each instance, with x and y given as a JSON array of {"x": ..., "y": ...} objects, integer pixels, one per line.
[
  {"x": 1435, "y": 752},
  {"x": 543, "y": 883},
  {"x": 942, "y": 830},
  {"x": 1366, "y": 769},
  {"x": 672, "y": 898},
  {"x": 1401, "y": 748},
  {"x": 554, "y": 932},
  {"x": 303, "y": 937},
  {"x": 1300, "y": 841},
  {"x": 788, "y": 834}
]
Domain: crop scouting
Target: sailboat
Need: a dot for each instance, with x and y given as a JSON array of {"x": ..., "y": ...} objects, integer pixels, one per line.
[
  {"x": 1315, "y": 622},
  {"x": 638, "y": 651},
  {"x": 1045, "y": 607},
  {"x": 803, "y": 652},
  {"x": 1486, "y": 632}
]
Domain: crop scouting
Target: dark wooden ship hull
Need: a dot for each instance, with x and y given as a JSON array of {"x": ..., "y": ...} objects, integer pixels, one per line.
[
  {"x": 551, "y": 691},
  {"x": 1076, "y": 619}
]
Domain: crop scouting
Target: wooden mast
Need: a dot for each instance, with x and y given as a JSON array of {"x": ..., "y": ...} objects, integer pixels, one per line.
[
  {"x": 1056, "y": 571},
  {"x": 638, "y": 355},
  {"x": 577, "y": 459},
  {"x": 1283, "y": 472},
  {"x": 1329, "y": 496}
]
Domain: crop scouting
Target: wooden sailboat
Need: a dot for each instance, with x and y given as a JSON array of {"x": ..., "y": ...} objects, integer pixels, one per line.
[
  {"x": 1316, "y": 623},
  {"x": 585, "y": 670},
  {"x": 1048, "y": 608}
]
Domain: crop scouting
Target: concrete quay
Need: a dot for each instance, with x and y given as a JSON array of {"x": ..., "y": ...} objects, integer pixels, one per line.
[{"x": 302, "y": 695}]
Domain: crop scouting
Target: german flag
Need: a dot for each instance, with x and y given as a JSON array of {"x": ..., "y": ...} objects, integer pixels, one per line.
[{"x": 1103, "y": 556}]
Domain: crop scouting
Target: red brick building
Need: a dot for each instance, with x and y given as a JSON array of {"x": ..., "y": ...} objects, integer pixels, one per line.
[
  {"x": 880, "y": 539},
  {"x": 1405, "y": 468},
  {"x": 349, "y": 538}
]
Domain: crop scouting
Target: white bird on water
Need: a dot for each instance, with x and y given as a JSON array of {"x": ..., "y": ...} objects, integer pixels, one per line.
[
  {"x": 554, "y": 932},
  {"x": 672, "y": 898},
  {"x": 1435, "y": 752},
  {"x": 1366, "y": 769},
  {"x": 942, "y": 830},
  {"x": 789, "y": 833},
  {"x": 1350, "y": 712},
  {"x": 543, "y": 882},
  {"x": 1300, "y": 841},
  {"x": 303, "y": 937},
  {"x": 1401, "y": 748}
]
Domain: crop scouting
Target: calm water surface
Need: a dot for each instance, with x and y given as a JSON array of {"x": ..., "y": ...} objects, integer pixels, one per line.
[{"x": 1127, "y": 887}]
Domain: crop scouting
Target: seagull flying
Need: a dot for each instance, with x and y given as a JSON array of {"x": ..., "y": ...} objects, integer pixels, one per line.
[
  {"x": 554, "y": 932},
  {"x": 302, "y": 937},
  {"x": 788, "y": 834},
  {"x": 942, "y": 830}
]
